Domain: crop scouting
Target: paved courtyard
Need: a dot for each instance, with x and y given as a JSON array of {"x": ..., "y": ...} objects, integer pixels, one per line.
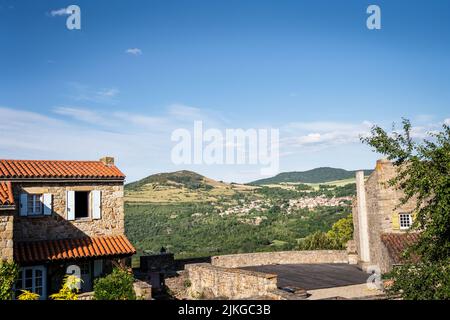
[{"x": 314, "y": 276}]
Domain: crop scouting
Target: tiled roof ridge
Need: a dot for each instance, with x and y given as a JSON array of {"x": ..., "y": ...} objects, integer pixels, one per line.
[
  {"x": 17, "y": 169},
  {"x": 47, "y": 160}
]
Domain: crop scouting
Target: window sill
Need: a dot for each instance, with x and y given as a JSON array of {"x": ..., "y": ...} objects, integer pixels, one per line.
[
  {"x": 35, "y": 216},
  {"x": 82, "y": 219}
]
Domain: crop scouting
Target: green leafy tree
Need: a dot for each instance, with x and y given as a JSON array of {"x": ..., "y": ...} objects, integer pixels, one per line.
[
  {"x": 8, "y": 275},
  {"x": 318, "y": 241},
  {"x": 116, "y": 286},
  {"x": 423, "y": 174},
  {"x": 341, "y": 231}
]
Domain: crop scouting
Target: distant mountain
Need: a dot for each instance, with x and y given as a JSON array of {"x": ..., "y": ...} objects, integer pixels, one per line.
[
  {"x": 317, "y": 175},
  {"x": 180, "y": 186},
  {"x": 183, "y": 178}
]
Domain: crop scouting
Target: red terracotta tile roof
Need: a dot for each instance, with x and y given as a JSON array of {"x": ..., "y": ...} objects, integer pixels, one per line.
[
  {"x": 6, "y": 196},
  {"x": 57, "y": 169},
  {"x": 69, "y": 249},
  {"x": 397, "y": 243}
]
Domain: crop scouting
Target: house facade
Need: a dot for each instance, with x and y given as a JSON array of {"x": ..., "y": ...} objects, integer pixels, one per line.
[
  {"x": 58, "y": 217},
  {"x": 381, "y": 224}
]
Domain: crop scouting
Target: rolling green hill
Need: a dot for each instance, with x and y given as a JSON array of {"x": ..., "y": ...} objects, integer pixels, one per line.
[
  {"x": 317, "y": 175},
  {"x": 180, "y": 186},
  {"x": 185, "y": 178}
]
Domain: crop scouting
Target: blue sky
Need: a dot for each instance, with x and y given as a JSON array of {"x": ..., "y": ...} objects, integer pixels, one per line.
[{"x": 309, "y": 68}]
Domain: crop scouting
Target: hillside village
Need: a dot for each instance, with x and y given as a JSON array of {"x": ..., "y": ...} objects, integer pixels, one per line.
[{"x": 244, "y": 208}]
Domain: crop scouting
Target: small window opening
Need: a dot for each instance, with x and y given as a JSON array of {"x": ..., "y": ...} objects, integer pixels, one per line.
[{"x": 81, "y": 204}]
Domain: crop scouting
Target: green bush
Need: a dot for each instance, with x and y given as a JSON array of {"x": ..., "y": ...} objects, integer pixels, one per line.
[
  {"x": 318, "y": 241},
  {"x": 8, "y": 275},
  {"x": 69, "y": 289},
  {"x": 341, "y": 231},
  {"x": 421, "y": 281},
  {"x": 116, "y": 286},
  {"x": 335, "y": 239}
]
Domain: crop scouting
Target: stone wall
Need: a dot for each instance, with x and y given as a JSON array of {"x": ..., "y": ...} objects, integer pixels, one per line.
[
  {"x": 57, "y": 226},
  {"x": 382, "y": 201},
  {"x": 143, "y": 290},
  {"x": 207, "y": 281},
  {"x": 281, "y": 257},
  {"x": 6, "y": 234}
]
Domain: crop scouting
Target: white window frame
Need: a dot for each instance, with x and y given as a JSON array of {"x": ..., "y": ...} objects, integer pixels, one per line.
[
  {"x": 36, "y": 198},
  {"x": 400, "y": 220},
  {"x": 22, "y": 273}
]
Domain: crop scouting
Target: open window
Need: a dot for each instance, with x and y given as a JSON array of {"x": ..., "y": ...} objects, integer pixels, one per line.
[{"x": 83, "y": 204}]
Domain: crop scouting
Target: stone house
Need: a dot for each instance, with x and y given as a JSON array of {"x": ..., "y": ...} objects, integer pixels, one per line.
[
  {"x": 381, "y": 226},
  {"x": 59, "y": 217}
]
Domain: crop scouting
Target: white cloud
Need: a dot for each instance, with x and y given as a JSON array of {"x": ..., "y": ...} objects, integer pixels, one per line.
[
  {"x": 79, "y": 114},
  {"x": 141, "y": 120},
  {"x": 115, "y": 119},
  {"x": 31, "y": 135},
  {"x": 319, "y": 135},
  {"x": 82, "y": 92},
  {"x": 134, "y": 51},
  {"x": 323, "y": 134},
  {"x": 59, "y": 12},
  {"x": 182, "y": 111},
  {"x": 112, "y": 92}
]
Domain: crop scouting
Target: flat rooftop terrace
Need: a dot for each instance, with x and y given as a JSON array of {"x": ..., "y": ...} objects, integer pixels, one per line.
[{"x": 314, "y": 276}]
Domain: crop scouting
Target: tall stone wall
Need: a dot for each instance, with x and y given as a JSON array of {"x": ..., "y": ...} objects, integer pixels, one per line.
[
  {"x": 281, "y": 257},
  {"x": 382, "y": 209},
  {"x": 57, "y": 226},
  {"x": 207, "y": 281},
  {"x": 6, "y": 234}
]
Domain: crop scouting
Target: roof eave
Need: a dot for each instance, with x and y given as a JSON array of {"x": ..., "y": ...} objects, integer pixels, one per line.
[
  {"x": 50, "y": 179},
  {"x": 7, "y": 207}
]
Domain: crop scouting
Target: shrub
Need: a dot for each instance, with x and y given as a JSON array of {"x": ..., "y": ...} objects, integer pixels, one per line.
[
  {"x": 421, "y": 281},
  {"x": 341, "y": 231},
  {"x": 116, "y": 286},
  {"x": 69, "y": 289},
  {"x": 8, "y": 275},
  {"x": 318, "y": 241},
  {"x": 28, "y": 295}
]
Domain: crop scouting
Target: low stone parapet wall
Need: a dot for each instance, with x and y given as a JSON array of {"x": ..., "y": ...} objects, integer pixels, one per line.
[
  {"x": 86, "y": 296},
  {"x": 281, "y": 257},
  {"x": 211, "y": 282}
]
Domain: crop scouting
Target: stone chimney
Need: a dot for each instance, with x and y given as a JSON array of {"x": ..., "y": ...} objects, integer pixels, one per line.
[
  {"x": 364, "y": 250},
  {"x": 381, "y": 163},
  {"x": 109, "y": 161}
]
